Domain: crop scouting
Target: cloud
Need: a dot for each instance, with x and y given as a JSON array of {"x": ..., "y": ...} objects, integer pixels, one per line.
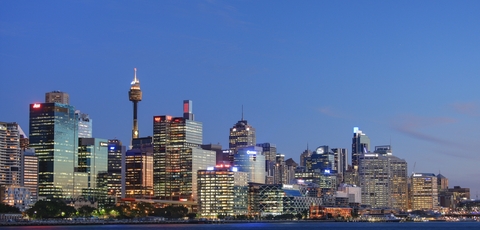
[
  {"x": 467, "y": 108},
  {"x": 328, "y": 111},
  {"x": 411, "y": 125}
]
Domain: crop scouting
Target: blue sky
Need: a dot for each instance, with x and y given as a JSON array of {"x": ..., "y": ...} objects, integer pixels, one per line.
[{"x": 405, "y": 72}]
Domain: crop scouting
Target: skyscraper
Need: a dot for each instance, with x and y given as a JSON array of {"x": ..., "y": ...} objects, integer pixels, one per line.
[
  {"x": 374, "y": 178},
  {"x": 360, "y": 145},
  {"x": 58, "y": 97},
  {"x": 177, "y": 155},
  {"x": 30, "y": 172},
  {"x": 91, "y": 165},
  {"x": 139, "y": 172},
  {"x": 251, "y": 160},
  {"x": 54, "y": 136},
  {"x": 116, "y": 158},
  {"x": 230, "y": 196},
  {"x": 242, "y": 135},
  {"x": 84, "y": 125},
  {"x": 383, "y": 179},
  {"x": 135, "y": 95},
  {"x": 270, "y": 152},
  {"x": 10, "y": 154},
  {"x": 424, "y": 191}
]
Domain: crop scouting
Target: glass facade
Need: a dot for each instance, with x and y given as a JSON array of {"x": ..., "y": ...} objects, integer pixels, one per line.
[
  {"x": 360, "y": 145},
  {"x": 85, "y": 125},
  {"x": 251, "y": 160},
  {"x": 54, "y": 136},
  {"x": 92, "y": 164}
]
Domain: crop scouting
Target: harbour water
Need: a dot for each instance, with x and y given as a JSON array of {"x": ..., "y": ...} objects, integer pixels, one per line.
[{"x": 268, "y": 226}]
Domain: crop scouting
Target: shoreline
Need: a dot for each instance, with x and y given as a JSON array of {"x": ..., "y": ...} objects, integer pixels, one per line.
[{"x": 162, "y": 222}]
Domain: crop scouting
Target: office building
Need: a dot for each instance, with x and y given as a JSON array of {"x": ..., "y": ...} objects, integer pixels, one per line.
[
  {"x": 30, "y": 173},
  {"x": 340, "y": 162},
  {"x": 280, "y": 171},
  {"x": 251, "y": 160},
  {"x": 242, "y": 135},
  {"x": 221, "y": 156},
  {"x": 91, "y": 165},
  {"x": 270, "y": 152},
  {"x": 178, "y": 156},
  {"x": 322, "y": 159},
  {"x": 116, "y": 159},
  {"x": 222, "y": 191},
  {"x": 360, "y": 145},
  {"x": 85, "y": 125},
  {"x": 54, "y": 136},
  {"x": 57, "y": 97},
  {"x": 304, "y": 156},
  {"x": 374, "y": 177},
  {"x": 290, "y": 167},
  {"x": 424, "y": 191},
  {"x": 384, "y": 180},
  {"x": 135, "y": 95},
  {"x": 442, "y": 182},
  {"x": 139, "y": 173},
  {"x": 10, "y": 154}
]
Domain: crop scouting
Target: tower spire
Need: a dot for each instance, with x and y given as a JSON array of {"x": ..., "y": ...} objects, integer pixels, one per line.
[{"x": 242, "y": 112}]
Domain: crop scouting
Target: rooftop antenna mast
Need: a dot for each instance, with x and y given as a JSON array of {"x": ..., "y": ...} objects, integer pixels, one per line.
[{"x": 242, "y": 112}]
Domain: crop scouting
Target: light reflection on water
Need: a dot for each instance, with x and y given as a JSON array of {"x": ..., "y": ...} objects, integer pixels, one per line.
[{"x": 266, "y": 226}]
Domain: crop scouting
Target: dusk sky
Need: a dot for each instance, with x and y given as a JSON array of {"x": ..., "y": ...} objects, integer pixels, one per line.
[{"x": 406, "y": 73}]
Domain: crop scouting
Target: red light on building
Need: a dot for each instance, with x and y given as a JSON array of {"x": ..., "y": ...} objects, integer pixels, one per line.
[
  {"x": 186, "y": 107},
  {"x": 169, "y": 118},
  {"x": 36, "y": 106},
  {"x": 158, "y": 119}
]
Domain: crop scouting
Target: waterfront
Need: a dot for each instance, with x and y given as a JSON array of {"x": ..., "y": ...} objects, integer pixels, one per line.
[{"x": 272, "y": 226}]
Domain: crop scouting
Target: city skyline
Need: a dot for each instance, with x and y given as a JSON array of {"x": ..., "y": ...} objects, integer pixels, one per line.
[{"x": 404, "y": 73}]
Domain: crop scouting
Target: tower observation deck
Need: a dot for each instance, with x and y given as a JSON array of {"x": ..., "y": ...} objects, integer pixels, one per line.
[{"x": 135, "y": 95}]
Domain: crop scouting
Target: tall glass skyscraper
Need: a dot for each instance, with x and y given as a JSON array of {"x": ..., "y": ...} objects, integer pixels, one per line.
[
  {"x": 177, "y": 155},
  {"x": 92, "y": 164},
  {"x": 251, "y": 160},
  {"x": 85, "y": 125},
  {"x": 54, "y": 136},
  {"x": 360, "y": 145}
]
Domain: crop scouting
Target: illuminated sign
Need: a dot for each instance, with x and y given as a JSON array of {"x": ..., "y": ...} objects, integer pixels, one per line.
[
  {"x": 36, "y": 106},
  {"x": 370, "y": 155},
  {"x": 327, "y": 171},
  {"x": 234, "y": 169},
  {"x": 158, "y": 119},
  {"x": 183, "y": 199},
  {"x": 112, "y": 147},
  {"x": 287, "y": 186},
  {"x": 210, "y": 168},
  {"x": 103, "y": 144},
  {"x": 251, "y": 152},
  {"x": 417, "y": 174}
]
